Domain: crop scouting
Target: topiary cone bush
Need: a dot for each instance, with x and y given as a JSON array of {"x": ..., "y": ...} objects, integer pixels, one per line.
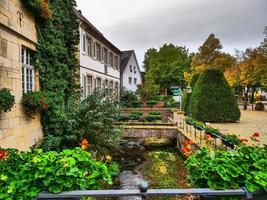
[{"x": 212, "y": 99}]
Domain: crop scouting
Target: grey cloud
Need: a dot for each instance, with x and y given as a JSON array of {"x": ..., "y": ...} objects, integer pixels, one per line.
[{"x": 237, "y": 23}]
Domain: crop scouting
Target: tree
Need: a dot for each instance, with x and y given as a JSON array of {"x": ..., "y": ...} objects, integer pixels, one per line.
[
  {"x": 166, "y": 67},
  {"x": 148, "y": 56},
  {"x": 212, "y": 99},
  {"x": 209, "y": 56}
]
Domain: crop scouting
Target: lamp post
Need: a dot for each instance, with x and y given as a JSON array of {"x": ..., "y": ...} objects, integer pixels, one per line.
[{"x": 188, "y": 89}]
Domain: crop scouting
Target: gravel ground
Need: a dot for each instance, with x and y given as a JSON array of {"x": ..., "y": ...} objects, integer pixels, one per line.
[{"x": 250, "y": 122}]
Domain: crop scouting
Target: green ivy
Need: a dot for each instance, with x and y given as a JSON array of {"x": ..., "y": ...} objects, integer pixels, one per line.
[
  {"x": 58, "y": 38},
  {"x": 24, "y": 174}
]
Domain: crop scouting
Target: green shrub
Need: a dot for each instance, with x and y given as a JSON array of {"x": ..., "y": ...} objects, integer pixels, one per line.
[
  {"x": 155, "y": 113},
  {"x": 122, "y": 118},
  {"x": 135, "y": 115},
  {"x": 259, "y": 106},
  {"x": 7, "y": 100},
  {"x": 242, "y": 167},
  {"x": 91, "y": 119},
  {"x": 212, "y": 99},
  {"x": 34, "y": 102},
  {"x": 151, "y": 103},
  {"x": 24, "y": 174},
  {"x": 129, "y": 99}
]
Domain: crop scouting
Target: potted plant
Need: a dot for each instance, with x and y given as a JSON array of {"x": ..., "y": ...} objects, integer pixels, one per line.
[
  {"x": 34, "y": 103},
  {"x": 7, "y": 100}
]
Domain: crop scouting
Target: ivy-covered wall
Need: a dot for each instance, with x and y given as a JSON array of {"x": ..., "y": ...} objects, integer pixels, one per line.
[{"x": 58, "y": 38}]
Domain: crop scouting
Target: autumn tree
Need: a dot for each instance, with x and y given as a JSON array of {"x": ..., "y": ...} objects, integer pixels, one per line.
[{"x": 209, "y": 56}]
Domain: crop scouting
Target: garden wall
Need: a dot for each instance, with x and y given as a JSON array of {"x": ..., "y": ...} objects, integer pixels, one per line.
[
  {"x": 17, "y": 29},
  {"x": 150, "y": 132},
  {"x": 166, "y": 112}
]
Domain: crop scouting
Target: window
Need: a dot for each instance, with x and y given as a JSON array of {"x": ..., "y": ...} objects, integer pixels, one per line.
[
  {"x": 98, "y": 51},
  {"x": 105, "y": 56},
  {"x": 135, "y": 69},
  {"x": 98, "y": 83},
  {"x": 111, "y": 87},
  {"x": 106, "y": 86},
  {"x": 116, "y": 62},
  {"x": 131, "y": 68},
  {"x": 117, "y": 88},
  {"x": 27, "y": 70},
  {"x": 111, "y": 59},
  {"x": 89, "y": 46},
  {"x": 83, "y": 42},
  {"x": 130, "y": 80},
  {"x": 87, "y": 85},
  {"x": 135, "y": 81}
]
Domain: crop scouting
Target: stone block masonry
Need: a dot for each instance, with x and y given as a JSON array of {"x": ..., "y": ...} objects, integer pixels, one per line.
[{"x": 17, "y": 30}]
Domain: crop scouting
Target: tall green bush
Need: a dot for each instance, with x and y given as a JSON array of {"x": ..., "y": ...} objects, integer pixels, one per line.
[{"x": 212, "y": 99}]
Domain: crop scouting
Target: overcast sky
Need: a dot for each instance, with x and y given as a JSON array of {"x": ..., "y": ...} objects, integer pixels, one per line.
[{"x": 143, "y": 24}]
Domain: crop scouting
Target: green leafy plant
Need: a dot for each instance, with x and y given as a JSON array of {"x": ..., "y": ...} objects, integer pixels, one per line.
[
  {"x": 24, "y": 174},
  {"x": 243, "y": 167},
  {"x": 7, "y": 100},
  {"x": 154, "y": 113},
  {"x": 34, "y": 102},
  {"x": 259, "y": 106}
]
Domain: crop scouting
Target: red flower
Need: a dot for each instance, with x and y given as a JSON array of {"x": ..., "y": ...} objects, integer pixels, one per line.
[
  {"x": 207, "y": 137},
  {"x": 256, "y": 134},
  {"x": 84, "y": 144},
  {"x": 185, "y": 150},
  {"x": 2, "y": 154},
  {"x": 188, "y": 142},
  {"x": 244, "y": 140}
]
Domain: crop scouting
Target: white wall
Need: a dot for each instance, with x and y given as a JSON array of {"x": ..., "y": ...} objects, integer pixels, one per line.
[
  {"x": 127, "y": 73},
  {"x": 95, "y": 68}
]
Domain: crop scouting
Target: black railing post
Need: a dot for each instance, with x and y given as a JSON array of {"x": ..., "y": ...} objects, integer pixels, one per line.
[{"x": 143, "y": 187}]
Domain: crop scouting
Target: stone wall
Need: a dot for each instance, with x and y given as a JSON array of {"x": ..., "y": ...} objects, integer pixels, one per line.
[
  {"x": 150, "y": 132},
  {"x": 166, "y": 112},
  {"x": 17, "y": 29}
]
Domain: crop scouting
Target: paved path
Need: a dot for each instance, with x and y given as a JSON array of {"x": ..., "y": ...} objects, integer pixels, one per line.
[{"x": 250, "y": 122}]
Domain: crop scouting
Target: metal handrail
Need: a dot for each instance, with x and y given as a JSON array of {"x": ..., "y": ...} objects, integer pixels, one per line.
[{"x": 145, "y": 193}]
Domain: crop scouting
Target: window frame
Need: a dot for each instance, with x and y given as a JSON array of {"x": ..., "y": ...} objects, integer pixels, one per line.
[{"x": 27, "y": 70}]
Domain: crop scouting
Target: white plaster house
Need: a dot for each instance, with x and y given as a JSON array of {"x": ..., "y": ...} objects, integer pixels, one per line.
[
  {"x": 131, "y": 76},
  {"x": 99, "y": 60}
]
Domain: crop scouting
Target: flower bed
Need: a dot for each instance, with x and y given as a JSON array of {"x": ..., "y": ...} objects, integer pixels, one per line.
[
  {"x": 139, "y": 116},
  {"x": 228, "y": 140}
]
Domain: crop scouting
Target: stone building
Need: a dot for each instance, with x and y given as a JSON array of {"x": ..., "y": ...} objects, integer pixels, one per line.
[{"x": 17, "y": 45}]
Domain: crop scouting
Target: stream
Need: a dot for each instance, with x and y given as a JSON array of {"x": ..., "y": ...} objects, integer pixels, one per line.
[{"x": 156, "y": 161}]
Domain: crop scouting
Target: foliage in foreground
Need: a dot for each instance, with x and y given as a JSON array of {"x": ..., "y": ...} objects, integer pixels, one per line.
[
  {"x": 7, "y": 100},
  {"x": 212, "y": 99},
  {"x": 243, "y": 167},
  {"x": 24, "y": 174}
]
